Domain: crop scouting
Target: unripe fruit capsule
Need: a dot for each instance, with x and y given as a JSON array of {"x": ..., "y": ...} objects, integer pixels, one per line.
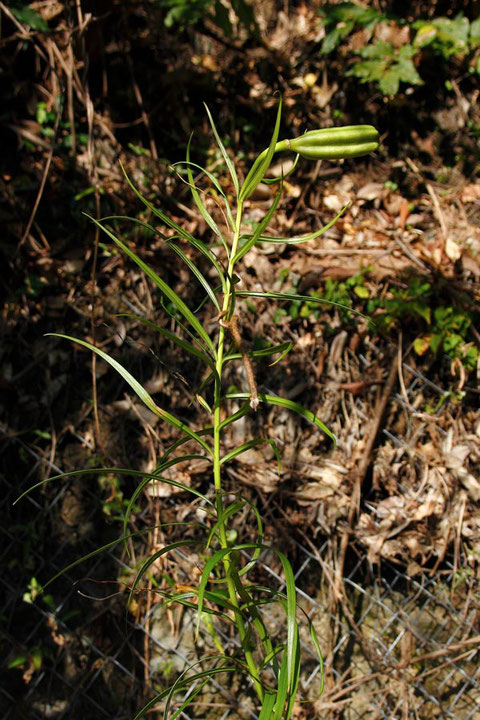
[{"x": 333, "y": 143}]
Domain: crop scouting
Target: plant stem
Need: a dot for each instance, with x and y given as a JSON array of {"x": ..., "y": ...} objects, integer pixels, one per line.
[{"x": 230, "y": 569}]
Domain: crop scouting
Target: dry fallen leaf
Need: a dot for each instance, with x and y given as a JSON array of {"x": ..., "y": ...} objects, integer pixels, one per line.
[
  {"x": 452, "y": 250},
  {"x": 471, "y": 193},
  {"x": 371, "y": 191}
]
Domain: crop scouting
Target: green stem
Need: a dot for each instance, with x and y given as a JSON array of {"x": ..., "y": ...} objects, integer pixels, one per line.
[{"x": 230, "y": 569}]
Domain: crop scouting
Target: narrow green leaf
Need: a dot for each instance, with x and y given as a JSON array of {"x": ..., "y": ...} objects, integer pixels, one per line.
[
  {"x": 230, "y": 510},
  {"x": 316, "y": 644},
  {"x": 178, "y": 443},
  {"x": 250, "y": 444},
  {"x": 262, "y": 163},
  {"x": 182, "y": 685},
  {"x": 282, "y": 348},
  {"x": 258, "y": 232},
  {"x": 118, "y": 471},
  {"x": 91, "y": 554},
  {"x": 217, "y": 186},
  {"x": 170, "y": 242},
  {"x": 198, "y": 244},
  {"x": 215, "y": 598},
  {"x": 184, "y": 327},
  {"x": 282, "y": 690},
  {"x": 140, "y": 391},
  {"x": 159, "y": 213},
  {"x": 163, "y": 286},
  {"x": 204, "y": 249},
  {"x": 244, "y": 410},
  {"x": 292, "y": 627},
  {"x": 303, "y": 238},
  {"x": 198, "y": 201},
  {"x": 199, "y": 275},
  {"x": 151, "y": 559},
  {"x": 190, "y": 698},
  {"x": 157, "y": 477},
  {"x": 273, "y": 181},
  {"x": 184, "y": 344},
  {"x": 294, "y": 296},
  {"x": 267, "y": 707},
  {"x": 290, "y": 405},
  {"x": 178, "y": 251},
  {"x": 228, "y": 162}
]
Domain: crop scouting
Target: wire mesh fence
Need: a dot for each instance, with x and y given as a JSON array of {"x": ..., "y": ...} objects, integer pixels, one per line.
[{"x": 405, "y": 644}]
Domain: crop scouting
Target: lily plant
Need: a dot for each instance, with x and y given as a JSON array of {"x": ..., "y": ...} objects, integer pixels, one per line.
[{"x": 224, "y": 592}]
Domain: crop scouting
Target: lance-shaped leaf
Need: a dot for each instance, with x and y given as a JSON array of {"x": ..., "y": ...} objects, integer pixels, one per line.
[
  {"x": 215, "y": 183},
  {"x": 290, "y": 405},
  {"x": 267, "y": 706},
  {"x": 151, "y": 559},
  {"x": 163, "y": 287},
  {"x": 293, "y": 296},
  {"x": 292, "y": 625},
  {"x": 99, "y": 550},
  {"x": 280, "y": 178},
  {"x": 228, "y": 162},
  {"x": 144, "y": 396},
  {"x": 119, "y": 471},
  {"x": 157, "y": 477},
  {"x": 241, "y": 412},
  {"x": 184, "y": 344},
  {"x": 204, "y": 249},
  {"x": 230, "y": 510},
  {"x": 302, "y": 238},
  {"x": 251, "y": 444},
  {"x": 195, "y": 271},
  {"x": 258, "y": 232},
  {"x": 183, "y": 683},
  {"x": 283, "y": 349},
  {"x": 262, "y": 163},
  {"x": 198, "y": 200}
]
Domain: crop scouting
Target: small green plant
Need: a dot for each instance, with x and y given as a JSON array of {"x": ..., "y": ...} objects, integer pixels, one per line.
[
  {"x": 438, "y": 328},
  {"x": 46, "y": 120},
  {"x": 441, "y": 329},
  {"x": 386, "y": 65},
  {"x": 342, "y": 19},
  {"x": 114, "y": 503},
  {"x": 227, "y": 590},
  {"x": 338, "y": 293},
  {"x": 190, "y": 12},
  {"x": 28, "y": 16}
]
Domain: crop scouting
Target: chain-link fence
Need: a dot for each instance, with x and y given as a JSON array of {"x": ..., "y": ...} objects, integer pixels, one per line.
[{"x": 398, "y": 643}]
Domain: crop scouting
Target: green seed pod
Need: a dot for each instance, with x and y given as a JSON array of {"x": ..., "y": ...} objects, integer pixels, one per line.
[{"x": 333, "y": 143}]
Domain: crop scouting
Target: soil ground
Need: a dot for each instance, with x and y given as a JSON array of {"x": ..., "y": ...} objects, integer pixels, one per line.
[{"x": 401, "y": 486}]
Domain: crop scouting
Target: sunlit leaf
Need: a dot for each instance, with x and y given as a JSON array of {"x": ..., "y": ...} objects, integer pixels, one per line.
[
  {"x": 293, "y": 296},
  {"x": 290, "y": 405},
  {"x": 228, "y": 162},
  {"x": 302, "y": 238},
  {"x": 144, "y": 396},
  {"x": 262, "y": 163},
  {"x": 163, "y": 286},
  {"x": 244, "y": 447},
  {"x": 283, "y": 349},
  {"x": 258, "y": 232}
]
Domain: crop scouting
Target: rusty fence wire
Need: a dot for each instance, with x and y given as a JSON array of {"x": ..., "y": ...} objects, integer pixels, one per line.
[{"x": 409, "y": 649}]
